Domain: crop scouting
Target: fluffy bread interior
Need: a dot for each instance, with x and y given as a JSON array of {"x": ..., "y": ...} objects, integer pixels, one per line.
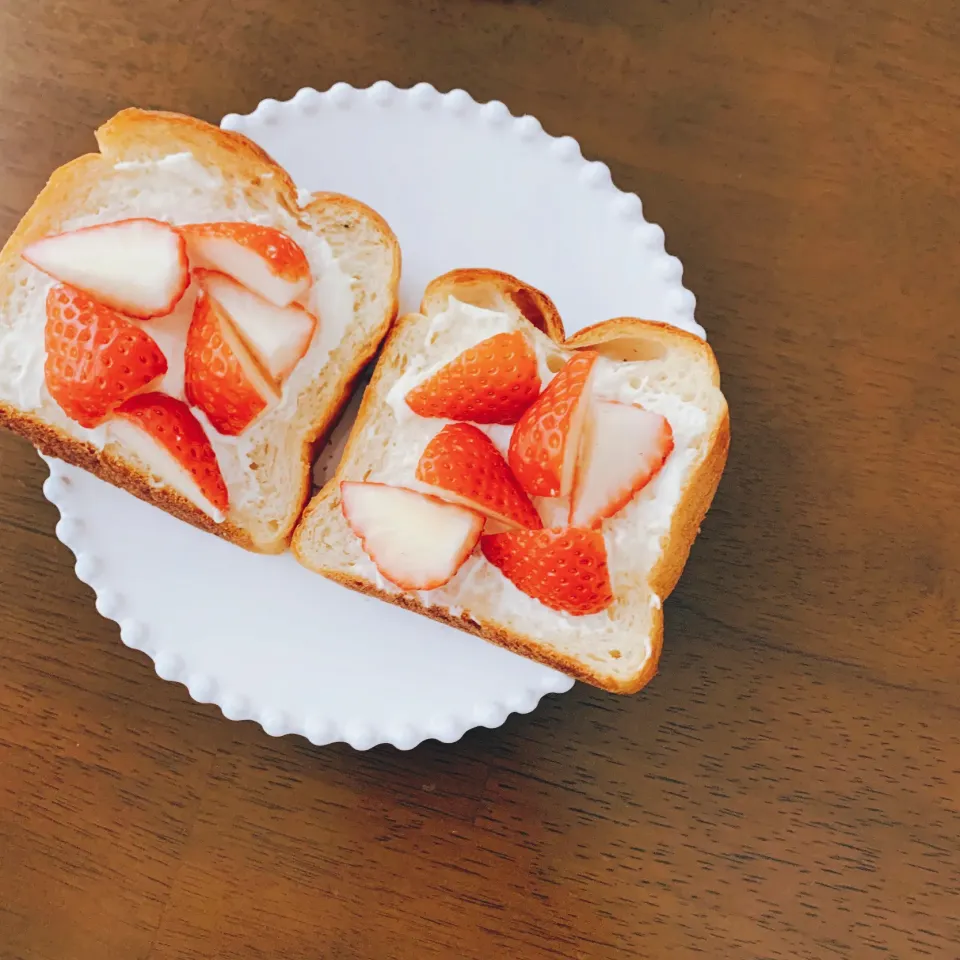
[
  {"x": 180, "y": 170},
  {"x": 648, "y": 541}
]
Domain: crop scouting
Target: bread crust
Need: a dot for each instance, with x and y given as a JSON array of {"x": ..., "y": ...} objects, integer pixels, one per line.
[
  {"x": 699, "y": 490},
  {"x": 518, "y": 643},
  {"x": 135, "y": 134},
  {"x": 495, "y": 290},
  {"x": 55, "y": 443},
  {"x": 492, "y": 288}
]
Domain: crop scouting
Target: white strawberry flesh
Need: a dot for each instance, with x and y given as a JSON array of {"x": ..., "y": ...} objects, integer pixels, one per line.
[
  {"x": 277, "y": 336},
  {"x": 622, "y": 449},
  {"x": 574, "y": 436},
  {"x": 416, "y": 541},
  {"x": 254, "y": 271},
  {"x": 485, "y": 509},
  {"x": 248, "y": 363},
  {"x": 160, "y": 462},
  {"x": 138, "y": 267}
]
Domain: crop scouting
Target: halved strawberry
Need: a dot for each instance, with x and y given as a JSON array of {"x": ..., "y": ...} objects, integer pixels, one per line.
[
  {"x": 163, "y": 432},
  {"x": 138, "y": 266},
  {"x": 220, "y": 376},
  {"x": 493, "y": 382},
  {"x": 543, "y": 446},
  {"x": 622, "y": 450},
  {"x": 96, "y": 358},
  {"x": 462, "y": 465},
  {"x": 261, "y": 258},
  {"x": 565, "y": 569},
  {"x": 416, "y": 541},
  {"x": 277, "y": 336}
]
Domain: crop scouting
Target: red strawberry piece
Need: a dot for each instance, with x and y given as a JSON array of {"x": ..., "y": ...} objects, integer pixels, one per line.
[
  {"x": 622, "y": 450},
  {"x": 461, "y": 464},
  {"x": 263, "y": 259},
  {"x": 493, "y": 382},
  {"x": 416, "y": 541},
  {"x": 138, "y": 266},
  {"x": 565, "y": 569},
  {"x": 96, "y": 358},
  {"x": 543, "y": 446},
  {"x": 163, "y": 432},
  {"x": 221, "y": 378}
]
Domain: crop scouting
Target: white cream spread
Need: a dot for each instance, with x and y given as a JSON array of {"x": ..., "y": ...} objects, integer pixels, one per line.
[
  {"x": 182, "y": 190},
  {"x": 633, "y": 536}
]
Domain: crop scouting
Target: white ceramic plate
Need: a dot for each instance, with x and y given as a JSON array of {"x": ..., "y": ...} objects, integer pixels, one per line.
[{"x": 462, "y": 184}]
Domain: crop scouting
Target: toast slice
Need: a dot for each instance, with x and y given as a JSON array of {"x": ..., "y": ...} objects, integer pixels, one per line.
[
  {"x": 647, "y": 542},
  {"x": 179, "y": 170}
]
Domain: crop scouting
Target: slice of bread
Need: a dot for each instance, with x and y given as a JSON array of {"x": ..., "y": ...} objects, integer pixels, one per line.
[
  {"x": 657, "y": 366},
  {"x": 180, "y": 170}
]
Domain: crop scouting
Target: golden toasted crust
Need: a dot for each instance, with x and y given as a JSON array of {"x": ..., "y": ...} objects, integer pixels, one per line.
[
  {"x": 695, "y": 500},
  {"x": 56, "y": 443},
  {"x": 629, "y": 338},
  {"x": 494, "y": 290},
  {"x": 624, "y": 338},
  {"x": 147, "y": 134},
  {"x": 135, "y": 134}
]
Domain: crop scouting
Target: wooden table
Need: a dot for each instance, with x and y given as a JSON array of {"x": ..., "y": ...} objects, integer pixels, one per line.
[{"x": 789, "y": 786}]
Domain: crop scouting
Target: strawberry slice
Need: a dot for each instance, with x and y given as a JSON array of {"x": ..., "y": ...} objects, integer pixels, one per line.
[
  {"x": 493, "y": 382},
  {"x": 220, "y": 375},
  {"x": 96, "y": 358},
  {"x": 138, "y": 266},
  {"x": 264, "y": 260},
  {"x": 622, "y": 450},
  {"x": 565, "y": 569},
  {"x": 277, "y": 336},
  {"x": 416, "y": 541},
  {"x": 544, "y": 443},
  {"x": 462, "y": 465},
  {"x": 163, "y": 433}
]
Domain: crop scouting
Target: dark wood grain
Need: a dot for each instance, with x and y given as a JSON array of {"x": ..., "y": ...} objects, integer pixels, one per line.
[{"x": 789, "y": 786}]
